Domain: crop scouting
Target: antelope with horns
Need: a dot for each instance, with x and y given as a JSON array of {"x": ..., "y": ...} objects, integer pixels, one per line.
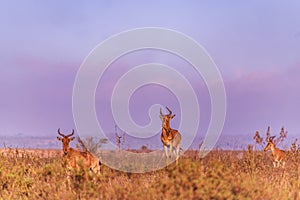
[
  {"x": 278, "y": 154},
  {"x": 74, "y": 157},
  {"x": 170, "y": 138}
]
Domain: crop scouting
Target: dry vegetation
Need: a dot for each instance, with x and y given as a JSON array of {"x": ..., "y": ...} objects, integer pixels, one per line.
[{"x": 220, "y": 175}]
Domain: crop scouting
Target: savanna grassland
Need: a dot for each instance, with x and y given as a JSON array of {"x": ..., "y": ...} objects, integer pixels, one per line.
[{"x": 220, "y": 175}]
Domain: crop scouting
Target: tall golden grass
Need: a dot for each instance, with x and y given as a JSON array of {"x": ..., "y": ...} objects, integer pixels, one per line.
[{"x": 220, "y": 175}]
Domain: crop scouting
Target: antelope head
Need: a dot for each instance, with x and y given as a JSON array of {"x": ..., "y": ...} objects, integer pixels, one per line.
[
  {"x": 166, "y": 118},
  {"x": 270, "y": 144},
  {"x": 65, "y": 139}
]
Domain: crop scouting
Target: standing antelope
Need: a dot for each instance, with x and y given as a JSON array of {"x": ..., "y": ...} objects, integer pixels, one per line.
[
  {"x": 75, "y": 157},
  {"x": 169, "y": 137},
  {"x": 278, "y": 154}
]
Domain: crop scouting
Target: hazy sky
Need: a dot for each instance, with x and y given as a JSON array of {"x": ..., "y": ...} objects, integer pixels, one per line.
[{"x": 255, "y": 44}]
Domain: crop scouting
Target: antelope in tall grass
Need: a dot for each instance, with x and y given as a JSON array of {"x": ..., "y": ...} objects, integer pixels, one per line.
[
  {"x": 170, "y": 138},
  {"x": 75, "y": 158},
  {"x": 278, "y": 154}
]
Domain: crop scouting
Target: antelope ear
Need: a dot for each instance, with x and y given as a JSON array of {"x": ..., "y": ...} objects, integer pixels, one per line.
[
  {"x": 161, "y": 118},
  {"x": 72, "y": 138},
  {"x": 173, "y": 116},
  {"x": 59, "y": 138}
]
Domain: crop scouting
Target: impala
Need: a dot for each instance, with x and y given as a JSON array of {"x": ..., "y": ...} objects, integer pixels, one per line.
[
  {"x": 74, "y": 157},
  {"x": 278, "y": 154},
  {"x": 169, "y": 137}
]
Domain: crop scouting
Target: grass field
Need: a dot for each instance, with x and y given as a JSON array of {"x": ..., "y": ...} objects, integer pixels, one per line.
[{"x": 220, "y": 175}]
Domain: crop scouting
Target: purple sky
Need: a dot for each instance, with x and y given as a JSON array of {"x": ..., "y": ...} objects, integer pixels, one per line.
[{"x": 256, "y": 46}]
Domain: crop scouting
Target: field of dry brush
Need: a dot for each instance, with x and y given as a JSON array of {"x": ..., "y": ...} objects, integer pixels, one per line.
[{"x": 220, "y": 175}]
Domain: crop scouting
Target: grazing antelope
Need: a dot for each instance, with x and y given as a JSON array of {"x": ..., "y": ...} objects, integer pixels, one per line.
[
  {"x": 278, "y": 154},
  {"x": 75, "y": 157},
  {"x": 169, "y": 137}
]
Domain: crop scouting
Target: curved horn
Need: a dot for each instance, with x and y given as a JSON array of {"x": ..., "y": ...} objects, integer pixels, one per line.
[
  {"x": 271, "y": 138},
  {"x": 59, "y": 133},
  {"x": 170, "y": 112},
  {"x": 161, "y": 114},
  {"x": 71, "y": 133}
]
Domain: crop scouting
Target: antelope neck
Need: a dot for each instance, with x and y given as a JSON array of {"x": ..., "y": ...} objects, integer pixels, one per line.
[
  {"x": 165, "y": 131},
  {"x": 272, "y": 148},
  {"x": 166, "y": 126}
]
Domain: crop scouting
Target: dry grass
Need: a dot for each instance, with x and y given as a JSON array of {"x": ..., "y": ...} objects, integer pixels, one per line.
[{"x": 220, "y": 175}]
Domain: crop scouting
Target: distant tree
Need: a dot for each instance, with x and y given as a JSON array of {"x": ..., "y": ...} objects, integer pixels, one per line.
[
  {"x": 257, "y": 138},
  {"x": 282, "y": 136},
  {"x": 294, "y": 147},
  {"x": 268, "y": 133},
  {"x": 144, "y": 148},
  {"x": 119, "y": 137}
]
